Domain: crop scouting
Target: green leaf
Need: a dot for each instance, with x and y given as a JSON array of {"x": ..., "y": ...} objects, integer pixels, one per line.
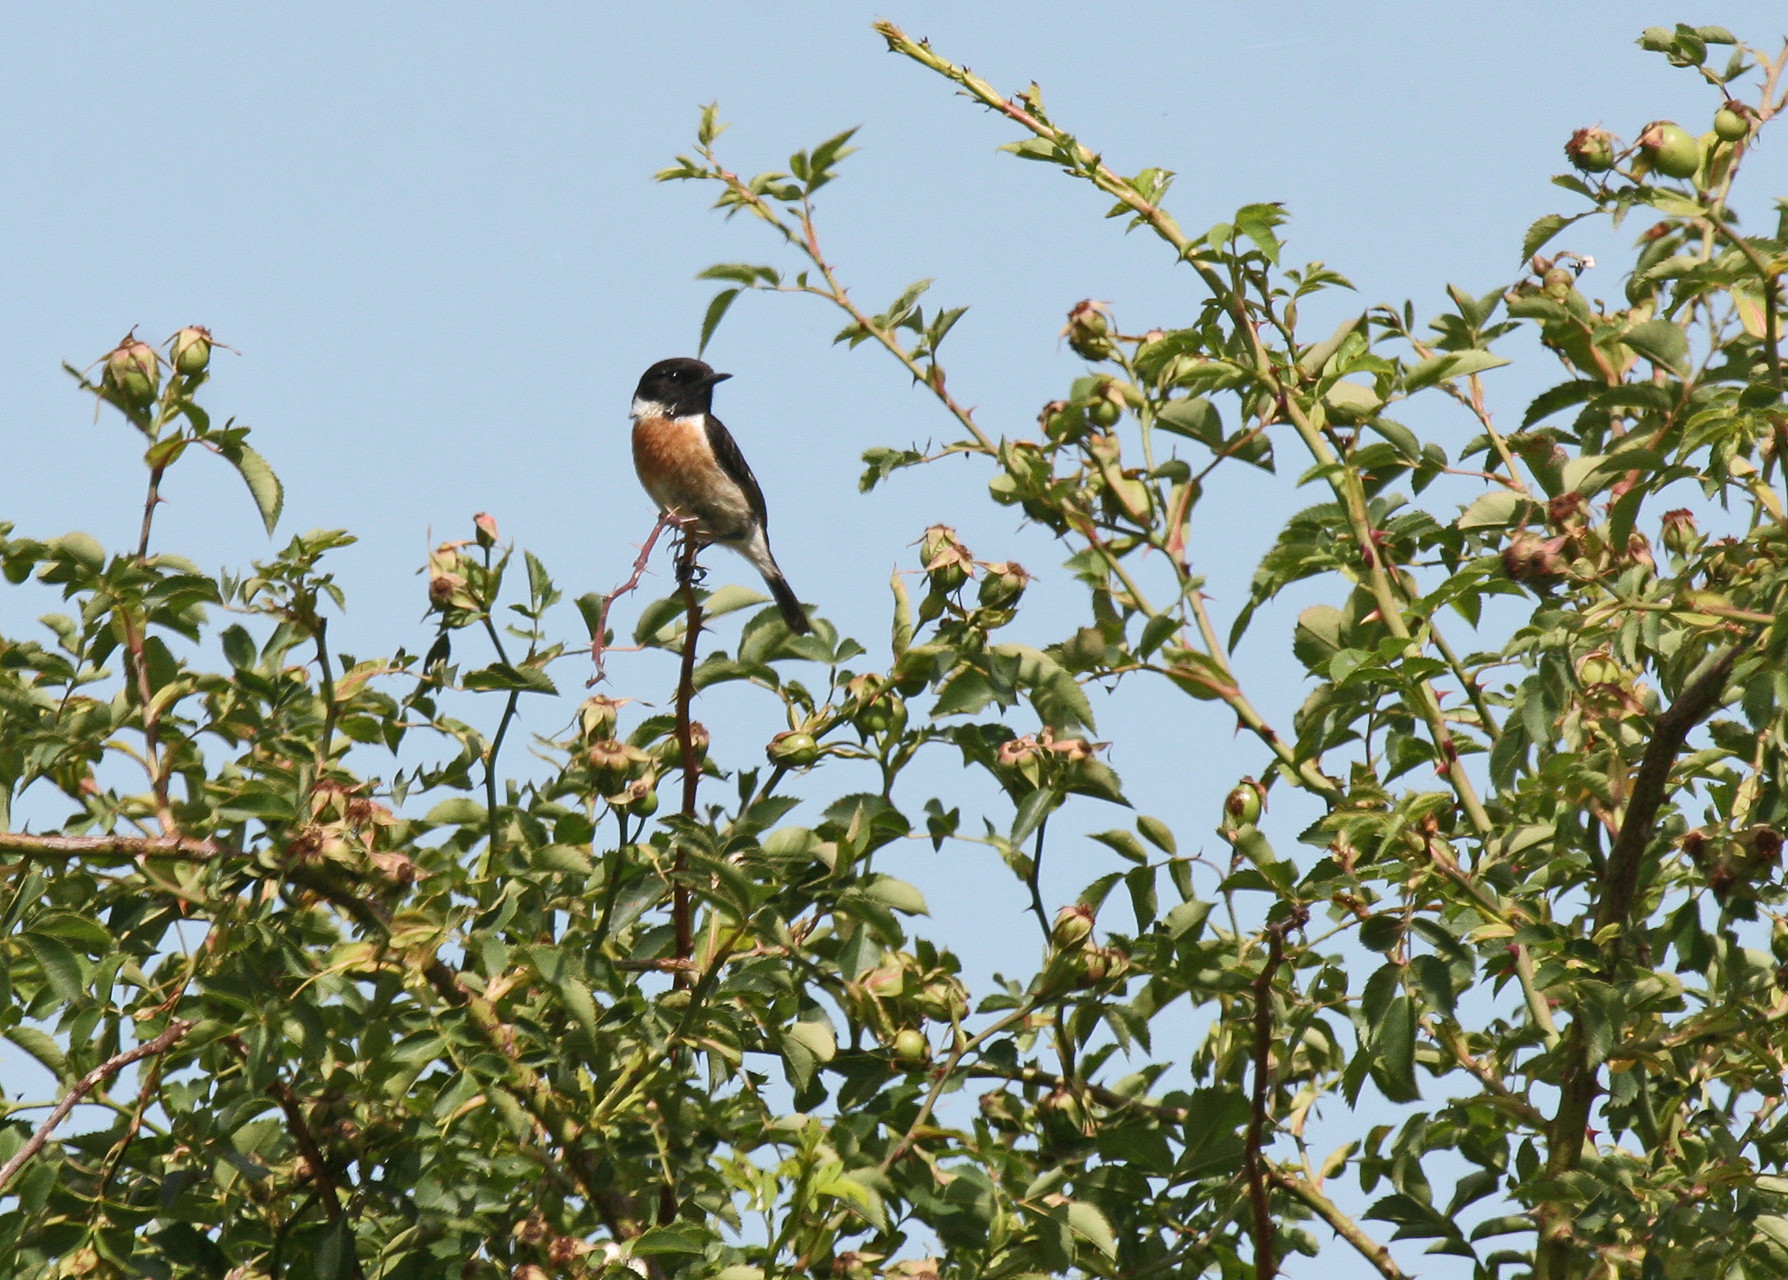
[
  {"x": 711, "y": 319},
  {"x": 1086, "y": 1222},
  {"x": 501, "y": 676},
  {"x": 1494, "y": 510},
  {"x": 61, "y": 967},
  {"x": 1662, "y": 343},
  {"x": 269, "y": 494},
  {"x": 1393, "y": 1053},
  {"x": 897, "y": 895},
  {"x": 1543, "y": 230},
  {"x": 40, "y": 1046},
  {"x": 1157, "y": 833},
  {"x": 1443, "y": 368}
]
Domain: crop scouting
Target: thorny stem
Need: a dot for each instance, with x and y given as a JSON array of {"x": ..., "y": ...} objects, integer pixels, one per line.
[
  {"x": 1253, "y": 1163},
  {"x": 961, "y": 1048},
  {"x": 149, "y": 504},
  {"x": 1342, "y": 479},
  {"x": 692, "y": 777},
  {"x": 1034, "y": 881},
  {"x": 494, "y": 828},
  {"x": 184, "y": 848},
  {"x": 1344, "y": 1226},
  {"x": 599, "y": 638},
  {"x": 325, "y": 678},
  {"x": 86, "y": 1085}
]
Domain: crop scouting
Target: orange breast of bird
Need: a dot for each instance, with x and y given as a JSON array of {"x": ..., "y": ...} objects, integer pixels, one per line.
[{"x": 678, "y": 469}]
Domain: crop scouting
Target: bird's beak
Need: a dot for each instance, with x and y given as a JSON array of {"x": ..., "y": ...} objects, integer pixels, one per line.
[{"x": 718, "y": 377}]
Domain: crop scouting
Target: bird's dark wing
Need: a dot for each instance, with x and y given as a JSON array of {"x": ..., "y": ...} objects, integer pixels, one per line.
[{"x": 726, "y": 452}]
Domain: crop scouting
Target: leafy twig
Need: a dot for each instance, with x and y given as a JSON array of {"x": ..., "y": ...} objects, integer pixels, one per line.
[{"x": 85, "y": 1085}]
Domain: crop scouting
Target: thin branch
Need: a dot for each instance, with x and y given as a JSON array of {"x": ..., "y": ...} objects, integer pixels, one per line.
[
  {"x": 1345, "y": 1227},
  {"x": 1035, "y": 879},
  {"x": 1265, "y": 1265},
  {"x": 599, "y": 640},
  {"x": 185, "y": 848},
  {"x": 86, "y": 1085},
  {"x": 692, "y": 775}
]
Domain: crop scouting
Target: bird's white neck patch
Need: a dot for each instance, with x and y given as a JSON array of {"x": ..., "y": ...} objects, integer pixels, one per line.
[{"x": 644, "y": 409}]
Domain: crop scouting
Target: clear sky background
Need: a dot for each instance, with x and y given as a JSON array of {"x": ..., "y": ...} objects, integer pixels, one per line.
[{"x": 432, "y": 233}]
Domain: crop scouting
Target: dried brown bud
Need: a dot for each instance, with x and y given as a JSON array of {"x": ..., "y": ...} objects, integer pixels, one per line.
[
  {"x": 1591, "y": 150},
  {"x": 1004, "y": 584},
  {"x": 1073, "y": 926},
  {"x": 132, "y": 372},
  {"x": 1088, "y": 330},
  {"x": 947, "y": 562}
]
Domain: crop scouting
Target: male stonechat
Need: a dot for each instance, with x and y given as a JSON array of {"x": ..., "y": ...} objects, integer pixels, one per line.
[{"x": 694, "y": 471}]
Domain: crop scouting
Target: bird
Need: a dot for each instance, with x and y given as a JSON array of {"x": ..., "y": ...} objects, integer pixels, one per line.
[{"x": 692, "y": 468}]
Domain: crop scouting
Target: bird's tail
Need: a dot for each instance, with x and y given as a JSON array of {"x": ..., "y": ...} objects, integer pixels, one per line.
[{"x": 792, "y": 613}]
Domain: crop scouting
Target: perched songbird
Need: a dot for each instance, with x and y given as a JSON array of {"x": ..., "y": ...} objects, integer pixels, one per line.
[{"x": 696, "y": 474}]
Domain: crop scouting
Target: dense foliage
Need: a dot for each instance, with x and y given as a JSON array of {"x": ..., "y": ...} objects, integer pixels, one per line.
[{"x": 329, "y": 1012}]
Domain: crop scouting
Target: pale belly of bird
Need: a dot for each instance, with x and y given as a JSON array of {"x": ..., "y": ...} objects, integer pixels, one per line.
[{"x": 679, "y": 471}]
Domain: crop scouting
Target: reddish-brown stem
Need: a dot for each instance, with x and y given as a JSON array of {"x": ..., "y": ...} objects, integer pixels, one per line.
[
  {"x": 185, "y": 848},
  {"x": 1265, "y": 1264},
  {"x": 149, "y": 504},
  {"x": 84, "y": 1086},
  {"x": 599, "y": 641},
  {"x": 692, "y": 777}
]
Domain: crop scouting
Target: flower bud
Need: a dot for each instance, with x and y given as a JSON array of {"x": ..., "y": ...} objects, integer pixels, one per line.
[
  {"x": 1088, "y": 330},
  {"x": 1073, "y": 926},
  {"x": 486, "y": 525},
  {"x": 1097, "y": 967},
  {"x": 1002, "y": 1111},
  {"x": 794, "y": 749},
  {"x": 132, "y": 373},
  {"x": 597, "y": 716},
  {"x": 1004, "y": 583},
  {"x": 1559, "y": 282},
  {"x": 1599, "y": 668},
  {"x": 191, "y": 350},
  {"x": 1241, "y": 808},
  {"x": 610, "y": 763},
  {"x": 640, "y": 798},
  {"x": 946, "y": 560},
  {"x": 1732, "y": 123},
  {"x": 1591, "y": 150},
  {"x": 911, "y": 1048},
  {"x": 1669, "y": 149},
  {"x": 1680, "y": 534}
]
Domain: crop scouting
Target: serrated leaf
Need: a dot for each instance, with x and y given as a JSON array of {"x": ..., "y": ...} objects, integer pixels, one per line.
[
  {"x": 716, "y": 311},
  {"x": 1543, "y": 230},
  {"x": 501, "y": 676},
  {"x": 1454, "y": 364},
  {"x": 40, "y": 1046},
  {"x": 1660, "y": 342},
  {"x": 269, "y": 494}
]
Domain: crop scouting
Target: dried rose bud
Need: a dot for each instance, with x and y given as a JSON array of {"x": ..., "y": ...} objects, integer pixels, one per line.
[
  {"x": 132, "y": 372},
  {"x": 597, "y": 717},
  {"x": 1669, "y": 149},
  {"x": 1591, "y": 149},
  {"x": 1073, "y": 926},
  {"x": 1088, "y": 330},
  {"x": 1004, "y": 584},
  {"x": 610, "y": 763},
  {"x": 947, "y": 561},
  {"x": 1763, "y": 844},
  {"x": 443, "y": 587},
  {"x": 486, "y": 525},
  {"x": 1694, "y": 844},
  {"x": 1680, "y": 534},
  {"x": 531, "y": 1229},
  {"x": 1002, "y": 1111},
  {"x": 191, "y": 350}
]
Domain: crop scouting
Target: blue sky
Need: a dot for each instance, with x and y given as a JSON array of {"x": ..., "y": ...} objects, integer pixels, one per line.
[{"x": 432, "y": 233}]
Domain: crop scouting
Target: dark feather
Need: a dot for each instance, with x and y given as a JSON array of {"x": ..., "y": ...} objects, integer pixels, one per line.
[{"x": 726, "y": 451}]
